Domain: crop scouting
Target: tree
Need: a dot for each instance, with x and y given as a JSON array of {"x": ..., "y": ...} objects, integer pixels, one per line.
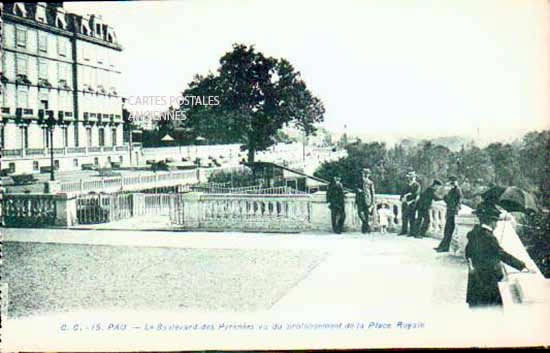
[
  {"x": 258, "y": 95},
  {"x": 534, "y": 162},
  {"x": 505, "y": 163},
  {"x": 360, "y": 155}
]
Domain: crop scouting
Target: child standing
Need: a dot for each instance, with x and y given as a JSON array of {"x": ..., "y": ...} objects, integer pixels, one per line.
[{"x": 386, "y": 216}]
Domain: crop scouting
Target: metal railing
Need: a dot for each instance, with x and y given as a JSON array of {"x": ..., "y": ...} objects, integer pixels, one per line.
[{"x": 131, "y": 182}]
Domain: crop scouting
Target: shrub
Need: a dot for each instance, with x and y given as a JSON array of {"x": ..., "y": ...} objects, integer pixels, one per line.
[{"x": 235, "y": 179}]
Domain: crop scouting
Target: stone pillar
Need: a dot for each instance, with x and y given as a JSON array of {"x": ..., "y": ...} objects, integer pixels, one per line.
[
  {"x": 191, "y": 209},
  {"x": 463, "y": 224},
  {"x": 138, "y": 204},
  {"x": 52, "y": 187},
  {"x": 65, "y": 210},
  {"x": 320, "y": 213}
]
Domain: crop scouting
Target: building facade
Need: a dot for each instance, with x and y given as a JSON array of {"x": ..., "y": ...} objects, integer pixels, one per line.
[{"x": 60, "y": 71}]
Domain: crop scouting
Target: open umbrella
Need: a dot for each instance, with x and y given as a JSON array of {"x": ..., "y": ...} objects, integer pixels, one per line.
[{"x": 512, "y": 199}]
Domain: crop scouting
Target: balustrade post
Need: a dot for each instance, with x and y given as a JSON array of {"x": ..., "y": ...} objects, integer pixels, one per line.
[
  {"x": 65, "y": 208},
  {"x": 81, "y": 185}
]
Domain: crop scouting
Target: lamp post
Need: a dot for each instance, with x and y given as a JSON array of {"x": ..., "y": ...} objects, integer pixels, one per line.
[{"x": 50, "y": 123}]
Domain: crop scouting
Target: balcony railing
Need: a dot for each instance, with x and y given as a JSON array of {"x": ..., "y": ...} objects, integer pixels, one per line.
[
  {"x": 12, "y": 153},
  {"x": 35, "y": 151},
  {"x": 76, "y": 149},
  {"x": 22, "y": 152}
]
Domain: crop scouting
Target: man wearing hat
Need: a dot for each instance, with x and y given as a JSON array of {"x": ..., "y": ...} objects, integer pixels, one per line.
[
  {"x": 368, "y": 193},
  {"x": 362, "y": 210},
  {"x": 484, "y": 255},
  {"x": 423, "y": 206},
  {"x": 452, "y": 199},
  {"x": 408, "y": 203},
  {"x": 336, "y": 200}
]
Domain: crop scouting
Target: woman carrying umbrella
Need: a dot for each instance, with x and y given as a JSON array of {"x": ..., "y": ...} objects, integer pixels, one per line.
[{"x": 484, "y": 256}]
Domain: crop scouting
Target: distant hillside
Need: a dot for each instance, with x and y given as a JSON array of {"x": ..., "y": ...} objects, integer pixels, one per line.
[{"x": 453, "y": 143}]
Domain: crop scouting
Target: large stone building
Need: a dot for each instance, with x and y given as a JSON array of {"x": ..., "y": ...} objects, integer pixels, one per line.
[{"x": 59, "y": 68}]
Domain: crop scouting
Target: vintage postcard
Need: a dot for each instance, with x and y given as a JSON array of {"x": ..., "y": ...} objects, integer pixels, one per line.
[{"x": 274, "y": 175}]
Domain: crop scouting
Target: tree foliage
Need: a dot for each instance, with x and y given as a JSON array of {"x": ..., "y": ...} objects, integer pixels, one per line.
[
  {"x": 525, "y": 163},
  {"x": 258, "y": 95}
]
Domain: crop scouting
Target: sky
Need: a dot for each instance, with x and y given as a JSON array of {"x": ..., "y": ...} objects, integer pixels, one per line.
[{"x": 382, "y": 68}]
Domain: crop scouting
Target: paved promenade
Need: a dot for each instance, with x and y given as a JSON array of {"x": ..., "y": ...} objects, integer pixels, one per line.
[
  {"x": 62, "y": 280},
  {"x": 356, "y": 269}
]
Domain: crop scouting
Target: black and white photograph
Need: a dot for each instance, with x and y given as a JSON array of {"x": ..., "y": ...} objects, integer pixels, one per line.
[{"x": 274, "y": 175}]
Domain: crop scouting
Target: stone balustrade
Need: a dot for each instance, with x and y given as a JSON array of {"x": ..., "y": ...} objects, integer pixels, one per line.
[
  {"x": 37, "y": 210},
  {"x": 244, "y": 212}
]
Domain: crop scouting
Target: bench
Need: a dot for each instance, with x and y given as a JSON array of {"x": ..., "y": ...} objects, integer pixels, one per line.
[
  {"x": 24, "y": 179},
  {"x": 6, "y": 181},
  {"x": 89, "y": 166},
  {"x": 160, "y": 166},
  {"x": 104, "y": 172},
  {"x": 47, "y": 169}
]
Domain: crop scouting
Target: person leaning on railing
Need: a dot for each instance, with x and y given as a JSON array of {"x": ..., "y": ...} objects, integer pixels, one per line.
[{"x": 484, "y": 256}]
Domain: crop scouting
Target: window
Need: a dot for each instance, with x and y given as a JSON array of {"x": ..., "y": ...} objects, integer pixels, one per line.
[
  {"x": 43, "y": 42},
  {"x": 86, "y": 52},
  {"x": 43, "y": 70},
  {"x": 75, "y": 163},
  {"x": 76, "y": 142},
  {"x": 44, "y": 103},
  {"x": 21, "y": 37},
  {"x": 99, "y": 56},
  {"x": 22, "y": 98},
  {"x": 89, "y": 136},
  {"x": 40, "y": 13},
  {"x": 96, "y": 161},
  {"x": 101, "y": 137},
  {"x": 46, "y": 137},
  {"x": 62, "y": 73},
  {"x": 11, "y": 167},
  {"x": 113, "y": 132},
  {"x": 62, "y": 46},
  {"x": 121, "y": 159},
  {"x": 56, "y": 163},
  {"x": 2, "y": 134},
  {"x": 109, "y": 160},
  {"x": 35, "y": 165},
  {"x": 24, "y": 136},
  {"x": 65, "y": 136},
  {"x": 21, "y": 65}
]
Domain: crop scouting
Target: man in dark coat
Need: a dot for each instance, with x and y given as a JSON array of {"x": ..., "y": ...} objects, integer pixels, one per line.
[
  {"x": 484, "y": 255},
  {"x": 453, "y": 199},
  {"x": 362, "y": 210},
  {"x": 336, "y": 200},
  {"x": 408, "y": 203},
  {"x": 423, "y": 206},
  {"x": 368, "y": 193}
]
